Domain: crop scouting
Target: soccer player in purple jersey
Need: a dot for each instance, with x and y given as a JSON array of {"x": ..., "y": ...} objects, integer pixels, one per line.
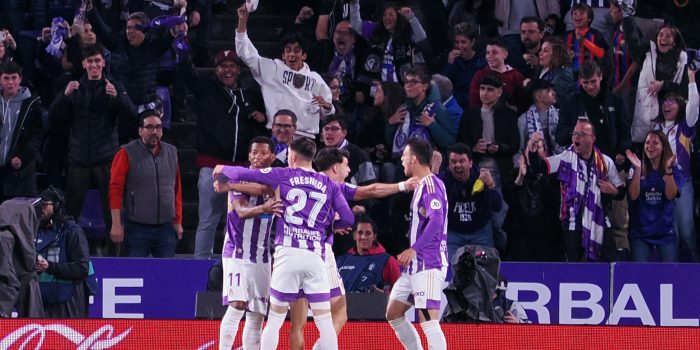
[
  {"x": 246, "y": 255},
  {"x": 425, "y": 262},
  {"x": 333, "y": 162},
  {"x": 311, "y": 201}
]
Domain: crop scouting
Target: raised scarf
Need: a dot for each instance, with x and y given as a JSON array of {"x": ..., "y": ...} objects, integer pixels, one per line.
[{"x": 532, "y": 121}]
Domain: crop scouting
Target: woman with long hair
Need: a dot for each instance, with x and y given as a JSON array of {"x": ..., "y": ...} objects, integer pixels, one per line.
[
  {"x": 555, "y": 66},
  {"x": 677, "y": 120},
  {"x": 663, "y": 69},
  {"x": 388, "y": 99},
  {"x": 651, "y": 193},
  {"x": 392, "y": 42}
]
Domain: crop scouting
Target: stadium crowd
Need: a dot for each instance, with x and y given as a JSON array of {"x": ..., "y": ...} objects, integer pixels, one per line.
[{"x": 563, "y": 130}]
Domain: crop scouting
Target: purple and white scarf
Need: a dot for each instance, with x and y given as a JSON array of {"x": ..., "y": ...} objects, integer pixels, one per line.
[
  {"x": 532, "y": 121},
  {"x": 581, "y": 184},
  {"x": 58, "y": 33},
  {"x": 409, "y": 128}
]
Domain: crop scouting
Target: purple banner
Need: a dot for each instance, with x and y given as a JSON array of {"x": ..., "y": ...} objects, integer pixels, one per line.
[
  {"x": 560, "y": 293},
  {"x": 655, "y": 294},
  {"x": 557, "y": 293},
  {"x": 148, "y": 288}
]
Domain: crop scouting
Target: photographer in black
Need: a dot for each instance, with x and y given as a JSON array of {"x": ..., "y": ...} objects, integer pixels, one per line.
[{"x": 62, "y": 260}]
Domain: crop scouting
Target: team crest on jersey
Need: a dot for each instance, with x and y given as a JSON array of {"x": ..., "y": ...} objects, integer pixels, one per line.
[
  {"x": 298, "y": 80},
  {"x": 435, "y": 204},
  {"x": 266, "y": 170}
]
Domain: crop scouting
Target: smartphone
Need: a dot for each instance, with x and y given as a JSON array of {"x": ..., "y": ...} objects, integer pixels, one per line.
[{"x": 3, "y": 35}]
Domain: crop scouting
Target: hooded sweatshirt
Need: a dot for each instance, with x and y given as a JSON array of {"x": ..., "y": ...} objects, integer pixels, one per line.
[
  {"x": 9, "y": 111},
  {"x": 391, "y": 271},
  {"x": 284, "y": 88}
]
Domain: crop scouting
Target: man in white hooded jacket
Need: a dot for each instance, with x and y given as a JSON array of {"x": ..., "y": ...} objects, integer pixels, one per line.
[{"x": 286, "y": 83}]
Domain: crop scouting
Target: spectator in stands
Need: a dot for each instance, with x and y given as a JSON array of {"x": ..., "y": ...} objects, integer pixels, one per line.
[
  {"x": 152, "y": 204},
  {"x": 678, "y": 120},
  {"x": 70, "y": 62},
  {"x": 472, "y": 198},
  {"x": 448, "y": 100},
  {"x": 541, "y": 117},
  {"x": 367, "y": 267},
  {"x": 532, "y": 223},
  {"x": 20, "y": 134},
  {"x": 394, "y": 44},
  {"x": 479, "y": 14},
  {"x": 425, "y": 117},
  {"x": 652, "y": 191},
  {"x": 604, "y": 111},
  {"x": 624, "y": 64},
  {"x": 492, "y": 130},
  {"x": 288, "y": 83},
  {"x": 91, "y": 107},
  {"x": 524, "y": 56},
  {"x": 334, "y": 134},
  {"x": 463, "y": 62},
  {"x": 598, "y": 16},
  {"x": 663, "y": 69},
  {"x": 512, "y": 80},
  {"x": 346, "y": 65},
  {"x": 229, "y": 116},
  {"x": 512, "y": 14},
  {"x": 8, "y": 46},
  {"x": 388, "y": 100},
  {"x": 62, "y": 260},
  {"x": 587, "y": 176},
  {"x": 284, "y": 126},
  {"x": 585, "y": 43},
  {"x": 555, "y": 67},
  {"x": 136, "y": 54}
]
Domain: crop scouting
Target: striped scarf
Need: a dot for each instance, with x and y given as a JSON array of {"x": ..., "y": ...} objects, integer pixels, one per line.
[
  {"x": 579, "y": 195},
  {"x": 533, "y": 124}
]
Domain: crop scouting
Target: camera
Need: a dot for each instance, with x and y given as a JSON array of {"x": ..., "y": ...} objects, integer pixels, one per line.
[{"x": 693, "y": 58}]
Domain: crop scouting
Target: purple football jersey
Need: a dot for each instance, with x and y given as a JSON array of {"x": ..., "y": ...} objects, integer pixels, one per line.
[
  {"x": 310, "y": 201},
  {"x": 247, "y": 239},
  {"x": 348, "y": 190},
  {"x": 428, "y": 227}
]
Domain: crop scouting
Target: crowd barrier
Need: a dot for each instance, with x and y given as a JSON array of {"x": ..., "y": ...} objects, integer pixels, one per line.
[
  {"x": 652, "y": 294},
  {"x": 200, "y": 335}
]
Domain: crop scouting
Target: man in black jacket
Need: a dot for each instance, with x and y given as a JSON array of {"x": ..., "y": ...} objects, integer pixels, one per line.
[
  {"x": 228, "y": 117},
  {"x": 136, "y": 54},
  {"x": 20, "y": 134},
  {"x": 604, "y": 110},
  {"x": 91, "y": 106}
]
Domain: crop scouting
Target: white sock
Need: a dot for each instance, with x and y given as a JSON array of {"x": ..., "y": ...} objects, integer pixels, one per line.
[
  {"x": 229, "y": 327},
  {"x": 252, "y": 331},
  {"x": 436, "y": 339},
  {"x": 270, "y": 335},
  {"x": 327, "y": 340},
  {"x": 407, "y": 334}
]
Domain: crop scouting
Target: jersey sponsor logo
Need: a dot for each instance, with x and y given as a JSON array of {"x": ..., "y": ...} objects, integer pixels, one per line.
[
  {"x": 266, "y": 170},
  {"x": 435, "y": 204}
]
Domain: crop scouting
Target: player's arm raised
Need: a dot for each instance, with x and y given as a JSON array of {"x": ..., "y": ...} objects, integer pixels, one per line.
[{"x": 379, "y": 190}]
